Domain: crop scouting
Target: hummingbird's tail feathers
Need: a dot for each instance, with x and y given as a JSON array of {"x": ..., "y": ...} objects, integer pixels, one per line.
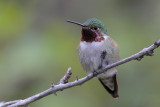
[{"x": 111, "y": 85}]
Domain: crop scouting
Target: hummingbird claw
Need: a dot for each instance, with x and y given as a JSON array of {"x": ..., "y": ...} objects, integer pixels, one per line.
[{"x": 95, "y": 73}]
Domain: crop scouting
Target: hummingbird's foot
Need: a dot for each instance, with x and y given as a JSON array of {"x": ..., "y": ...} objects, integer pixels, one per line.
[{"x": 95, "y": 73}]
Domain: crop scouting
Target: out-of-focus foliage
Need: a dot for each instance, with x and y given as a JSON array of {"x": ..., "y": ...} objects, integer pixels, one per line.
[{"x": 37, "y": 46}]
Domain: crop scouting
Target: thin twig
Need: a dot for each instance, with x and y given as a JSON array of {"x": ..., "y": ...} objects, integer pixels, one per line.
[
  {"x": 66, "y": 77},
  {"x": 5, "y": 104},
  {"x": 138, "y": 56}
]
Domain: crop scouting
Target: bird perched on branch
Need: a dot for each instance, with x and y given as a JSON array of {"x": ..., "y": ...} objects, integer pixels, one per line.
[{"x": 97, "y": 50}]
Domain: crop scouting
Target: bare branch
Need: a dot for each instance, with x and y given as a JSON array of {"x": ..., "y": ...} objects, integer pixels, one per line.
[
  {"x": 66, "y": 77},
  {"x": 5, "y": 104},
  {"x": 64, "y": 84}
]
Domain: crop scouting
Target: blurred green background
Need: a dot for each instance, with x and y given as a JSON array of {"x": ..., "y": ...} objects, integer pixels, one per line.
[{"x": 37, "y": 46}]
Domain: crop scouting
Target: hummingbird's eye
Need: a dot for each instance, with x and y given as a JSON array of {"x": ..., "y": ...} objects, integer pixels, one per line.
[{"x": 95, "y": 28}]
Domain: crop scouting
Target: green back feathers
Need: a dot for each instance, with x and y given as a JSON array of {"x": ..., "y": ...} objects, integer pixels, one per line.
[{"x": 95, "y": 22}]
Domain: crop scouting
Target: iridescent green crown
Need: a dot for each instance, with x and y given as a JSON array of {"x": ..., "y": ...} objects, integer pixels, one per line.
[{"x": 95, "y": 22}]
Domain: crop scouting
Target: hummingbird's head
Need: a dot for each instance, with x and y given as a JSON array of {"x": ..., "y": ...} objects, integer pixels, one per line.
[{"x": 92, "y": 30}]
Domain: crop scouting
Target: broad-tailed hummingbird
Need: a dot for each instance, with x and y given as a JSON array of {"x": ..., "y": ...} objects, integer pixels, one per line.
[{"x": 96, "y": 51}]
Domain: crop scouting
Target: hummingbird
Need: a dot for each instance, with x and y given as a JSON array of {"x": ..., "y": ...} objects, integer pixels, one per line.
[{"x": 97, "y": 50}]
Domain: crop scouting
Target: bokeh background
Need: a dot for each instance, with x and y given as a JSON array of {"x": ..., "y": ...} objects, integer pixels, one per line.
[{"x": 37, "y": 46}]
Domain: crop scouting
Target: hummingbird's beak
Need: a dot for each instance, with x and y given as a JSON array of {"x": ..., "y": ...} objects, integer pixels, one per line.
[{"x": 76, "y": 23}]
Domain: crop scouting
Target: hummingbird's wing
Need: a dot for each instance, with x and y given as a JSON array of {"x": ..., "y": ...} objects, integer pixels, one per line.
[
  {"x": 108, "y": 79},
  {"x": 112, "y": 50}
]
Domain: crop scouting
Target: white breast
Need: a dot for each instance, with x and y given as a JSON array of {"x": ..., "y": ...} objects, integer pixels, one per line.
[{"x": 90, "y": 55}]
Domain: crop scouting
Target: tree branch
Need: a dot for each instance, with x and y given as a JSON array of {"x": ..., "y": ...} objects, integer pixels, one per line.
[
  {"x": 64, "y": 84},
  {"x": 66, "y": 77}
]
